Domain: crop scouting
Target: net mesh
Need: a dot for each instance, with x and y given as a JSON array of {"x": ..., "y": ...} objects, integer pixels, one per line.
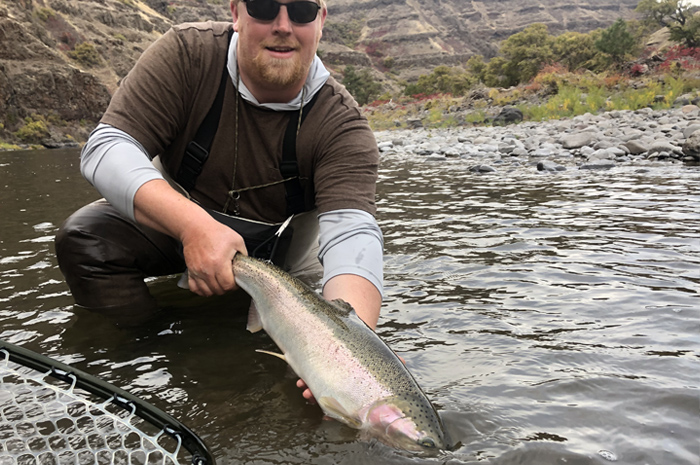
[{"x": 44, "y": 421}]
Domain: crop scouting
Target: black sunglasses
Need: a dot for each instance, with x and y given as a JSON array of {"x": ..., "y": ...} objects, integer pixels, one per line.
[{"x": 266, "y": 10}]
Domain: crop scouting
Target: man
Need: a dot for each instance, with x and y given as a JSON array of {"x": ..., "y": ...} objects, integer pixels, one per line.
[{"x": 146, "y": 227}]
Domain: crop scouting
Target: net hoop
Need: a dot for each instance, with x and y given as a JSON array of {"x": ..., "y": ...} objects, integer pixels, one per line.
[{"x": 112, "y": 398}]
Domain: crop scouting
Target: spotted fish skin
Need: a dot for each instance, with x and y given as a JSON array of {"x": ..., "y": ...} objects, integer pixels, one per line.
[{"x": 355, "y": 377}]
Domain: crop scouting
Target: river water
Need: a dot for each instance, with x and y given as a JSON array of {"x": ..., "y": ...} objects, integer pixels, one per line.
[{"x": 552, "y": 319}]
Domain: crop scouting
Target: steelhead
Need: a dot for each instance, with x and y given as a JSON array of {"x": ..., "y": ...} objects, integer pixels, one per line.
[{"x": 354, "y": 376}]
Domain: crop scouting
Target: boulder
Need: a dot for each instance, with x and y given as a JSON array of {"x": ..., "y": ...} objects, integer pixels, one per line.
[
  {"x": 577, "y": 140},
  {"x": 691, "y": 148},
  {"x": 508, "y": 115}
]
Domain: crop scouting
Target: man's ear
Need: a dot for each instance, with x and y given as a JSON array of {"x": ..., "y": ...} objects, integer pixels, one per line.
[
  {"x": 234, "y": 14},
  {"x": 324, "y": 13}
]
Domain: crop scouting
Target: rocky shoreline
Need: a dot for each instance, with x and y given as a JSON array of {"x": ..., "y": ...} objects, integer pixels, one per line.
[{"x": 600, "y": 141}]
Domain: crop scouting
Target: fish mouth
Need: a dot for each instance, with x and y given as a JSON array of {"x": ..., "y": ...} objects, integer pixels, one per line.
[
  {"x": 417, "y": 441},
  {"x": 397, "y": 428}
]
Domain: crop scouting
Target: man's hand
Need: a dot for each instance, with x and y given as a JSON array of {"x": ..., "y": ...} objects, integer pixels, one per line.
[
  {"x": 209, "y": 251},
  {"x": 208, "y": 245},
  {"x": 306, "y": 392}
]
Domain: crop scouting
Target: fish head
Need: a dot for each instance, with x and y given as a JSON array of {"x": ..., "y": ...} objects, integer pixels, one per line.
[{"x": 407, "y": 422}]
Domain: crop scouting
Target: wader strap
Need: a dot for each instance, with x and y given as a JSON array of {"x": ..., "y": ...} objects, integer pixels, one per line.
[
  {"x": 289, "y": 167},
  {"x": 197, "y": 151}
]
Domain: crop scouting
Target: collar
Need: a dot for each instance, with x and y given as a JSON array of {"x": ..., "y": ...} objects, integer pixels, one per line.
[{"x": 318, "y": 75}]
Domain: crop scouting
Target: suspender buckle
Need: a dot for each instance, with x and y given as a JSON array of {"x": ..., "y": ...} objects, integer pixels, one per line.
[{"x": 289, "y": 168}]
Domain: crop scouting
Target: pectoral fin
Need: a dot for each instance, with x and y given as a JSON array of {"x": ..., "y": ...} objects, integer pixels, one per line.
[
  {"x": 274, "y": 354},
  {"x": 254, "y": 324},
  {"x": 332, "y": 408}
]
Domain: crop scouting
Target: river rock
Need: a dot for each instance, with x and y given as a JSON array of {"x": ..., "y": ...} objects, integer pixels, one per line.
[
  {"x": 482, "y": 169},
  {"x": 549, "y": 166},
  {"x": 508, "y": 115},
  {"x": 621, "y": 138},
  {"x": 663, "y": 146},
  {"x": 597, "y": 165},
  {"x": 414, "y": 123},
  {"x": 578, "y": 140},
  {"x": 690, "y": 129},
  {"x": 602, "y": 154},
  {"x": 636, "y": 147},
  {"x": 691, "y": 148}
]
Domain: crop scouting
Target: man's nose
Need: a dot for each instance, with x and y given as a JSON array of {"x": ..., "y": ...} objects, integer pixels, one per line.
[{"x": 282, "y": 22}]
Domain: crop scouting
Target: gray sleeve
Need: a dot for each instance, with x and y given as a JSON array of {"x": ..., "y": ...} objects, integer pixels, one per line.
[
  {"x": 351, "y": 243},
  {"x": 117, "y": 165}
]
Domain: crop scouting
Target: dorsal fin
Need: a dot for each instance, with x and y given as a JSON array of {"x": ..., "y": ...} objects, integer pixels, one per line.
[{"x": 344, "y": 307}]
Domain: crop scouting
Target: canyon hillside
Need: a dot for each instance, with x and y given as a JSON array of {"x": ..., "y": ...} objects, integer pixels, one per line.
[{"x": 62, "y": 59}]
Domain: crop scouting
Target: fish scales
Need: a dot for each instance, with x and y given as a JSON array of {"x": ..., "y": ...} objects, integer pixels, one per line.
[
  {"x": 319, "y": 337},
  {"x": 353, "y": 374}
]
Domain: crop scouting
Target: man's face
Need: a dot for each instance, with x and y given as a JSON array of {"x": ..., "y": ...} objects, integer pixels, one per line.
[{"x": 277, "y": 53}]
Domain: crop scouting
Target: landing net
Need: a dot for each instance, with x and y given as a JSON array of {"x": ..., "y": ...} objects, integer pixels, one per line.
[{"x": 53, "y": 414}]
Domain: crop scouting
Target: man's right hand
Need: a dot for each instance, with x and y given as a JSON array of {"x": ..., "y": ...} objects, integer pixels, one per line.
[
  {"x": 208, "y": 245},
  {"x": 209, "y": 249}
]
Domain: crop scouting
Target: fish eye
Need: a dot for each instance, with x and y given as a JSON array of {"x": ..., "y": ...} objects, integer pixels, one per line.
[{"x": 428, "y": 443}]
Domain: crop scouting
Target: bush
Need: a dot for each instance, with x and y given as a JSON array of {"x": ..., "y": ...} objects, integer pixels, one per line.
[
  {"x": 443, "y": 80},
  {"x": 85, "y": 54},
  {"x": 525, "y": 53},
  {"x": 45, "y": 14},
  {"x": 361, "y": 85},
  {"x": 33, "y": 131},
  {"x": 616, "y": 41}
]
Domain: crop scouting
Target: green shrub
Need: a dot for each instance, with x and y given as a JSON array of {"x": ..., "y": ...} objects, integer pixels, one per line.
[
  {"x": 8, "y": 146},
  {"x": 361, "y": 85},
  {"x": 443, "y": 80},
  {"x": 616, "y": 41},
  {"x": 347, "y": 32},
  {"x": 85, "y": 54},
  {"x": 45, "y": 14},
  {"x": 33, "y": 131}
]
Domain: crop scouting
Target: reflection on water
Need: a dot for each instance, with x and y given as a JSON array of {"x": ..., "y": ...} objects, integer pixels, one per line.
[{"x": 551, "y": 318}]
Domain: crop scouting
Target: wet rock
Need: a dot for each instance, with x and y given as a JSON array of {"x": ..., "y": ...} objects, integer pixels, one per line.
[
  {"x": 602, "y": 154},
  {"x": 482, "y": 169},
  {"x": 663, "y": 147},
  {"x": 549, "y": 166},
  {"x": 691, "y": 148},
  {"x": 60, "y": 143},
  {"x": 597, "y": 165},
  {"x": 452, "y": 152}
]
